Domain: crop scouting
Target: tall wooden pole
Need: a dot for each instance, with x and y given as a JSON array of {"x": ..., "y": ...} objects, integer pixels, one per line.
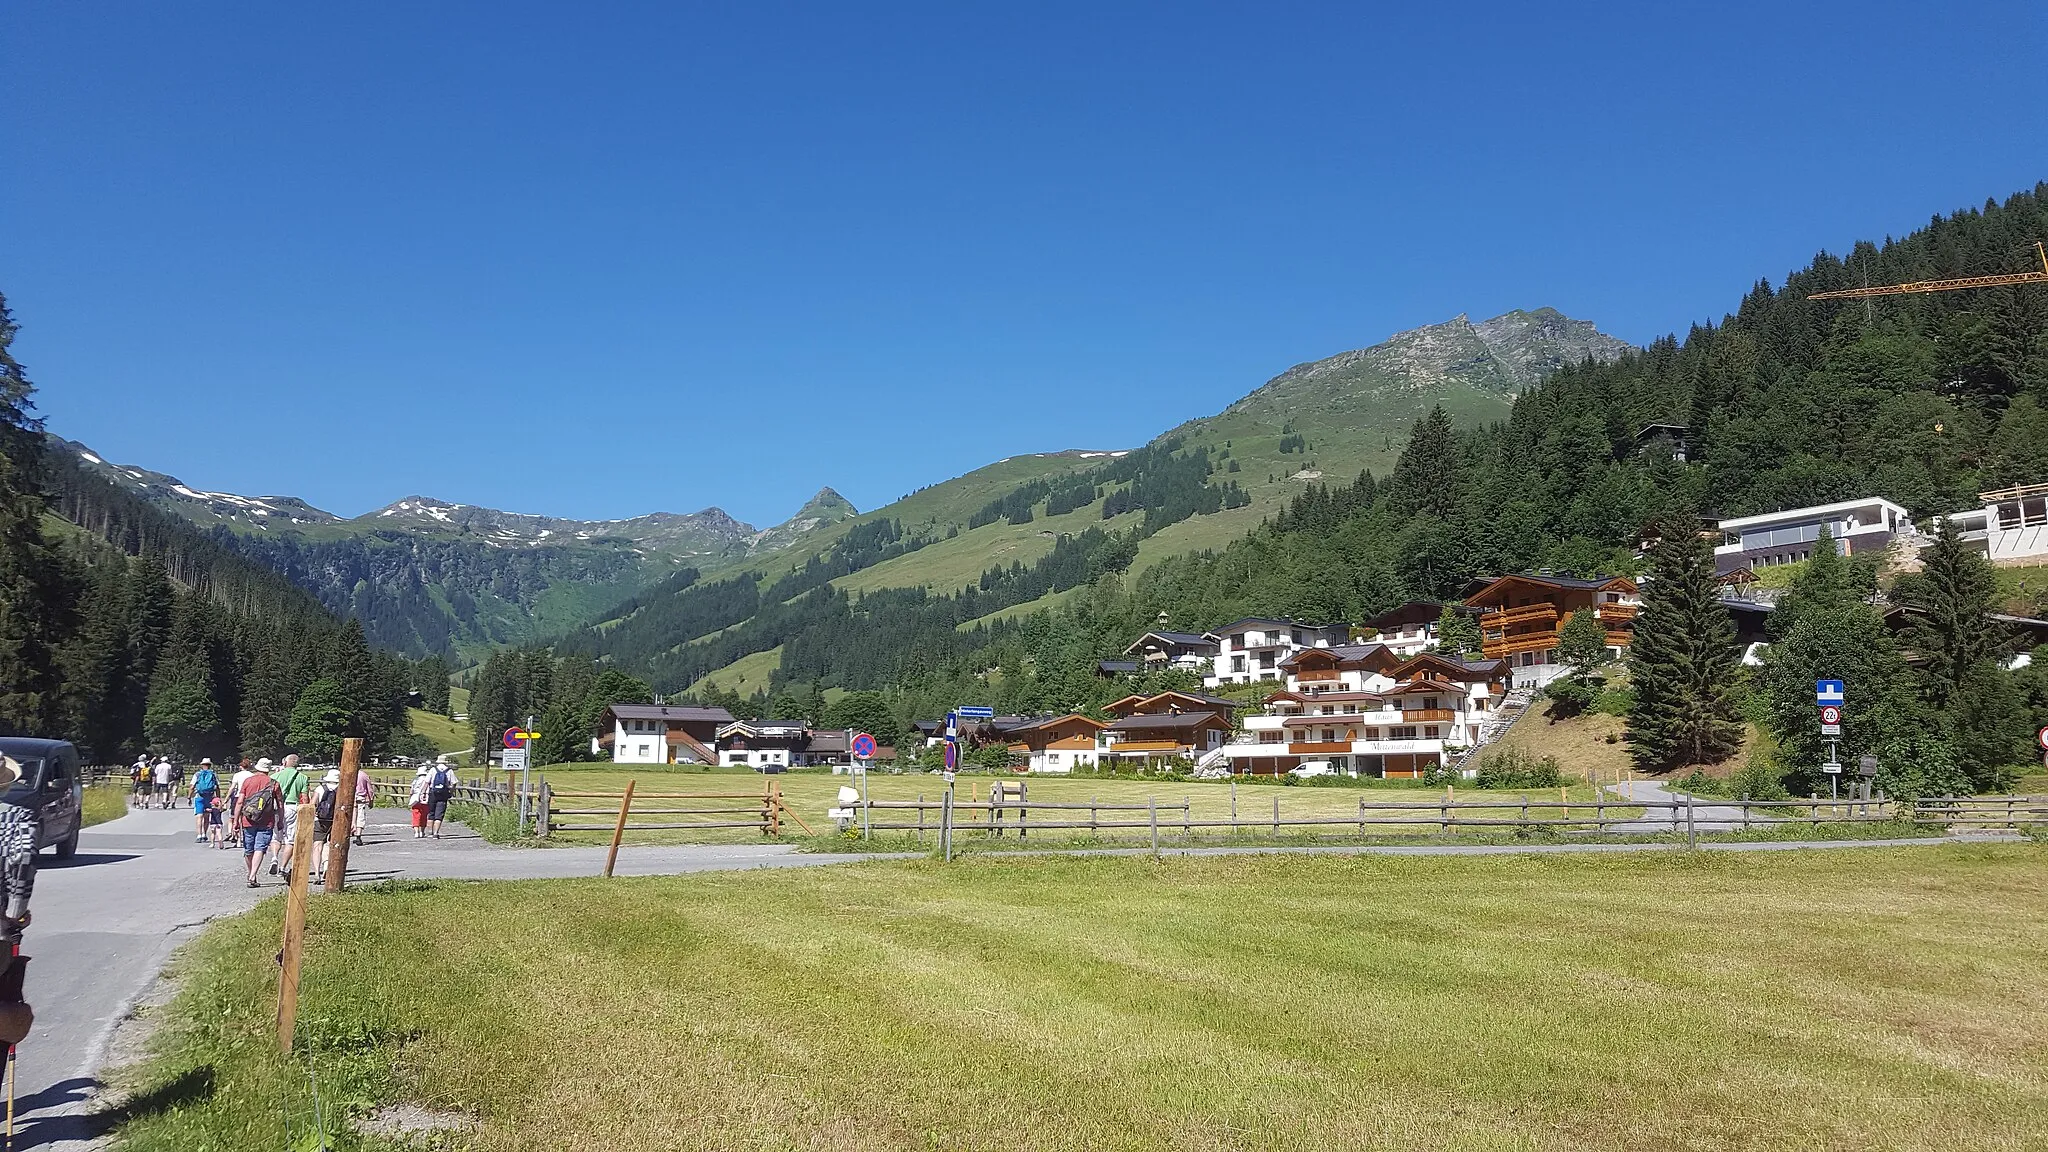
[
  {"x": 294, "y": 930},
  {"x": 619, "y": 829},
  {"x": 344, "y": 813}
]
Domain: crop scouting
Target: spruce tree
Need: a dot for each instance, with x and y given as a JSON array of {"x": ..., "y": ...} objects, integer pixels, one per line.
[
  {"x": 1951, "y": 598},
  {"x": 182, "y": 715},
  {"x": 320, "y": 718},
  {"x": 35, "y": 604},
  {"x": 1683, "y": 661}
]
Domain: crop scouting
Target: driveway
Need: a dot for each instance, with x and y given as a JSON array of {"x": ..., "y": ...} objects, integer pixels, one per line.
[{"x": 1706, "y": 815}]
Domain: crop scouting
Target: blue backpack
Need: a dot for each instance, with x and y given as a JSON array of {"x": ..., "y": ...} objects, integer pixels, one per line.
[{"x": 205, "y": 782}]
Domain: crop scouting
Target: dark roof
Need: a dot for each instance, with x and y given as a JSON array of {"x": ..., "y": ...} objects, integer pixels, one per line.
[
  {"x": 1277, "y": 620},
  {"x": 669, "y": 712},
  {"x": 1481, "y": 583},
  {"x": 1147, "y": 720},
  {"x": 1193, "y": 638},
  {"x": 1340, "y": 651},
  {"x": 1116, "y": 665},
  {"x": 1425, "y": 610},
  {"x": 829, "y": 740}
]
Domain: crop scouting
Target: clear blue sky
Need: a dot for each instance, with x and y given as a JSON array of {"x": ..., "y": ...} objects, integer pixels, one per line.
[{"x": 600, "y": 259}]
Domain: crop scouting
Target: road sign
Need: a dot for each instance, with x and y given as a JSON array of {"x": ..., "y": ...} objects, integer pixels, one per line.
[
  {"x": 1827, "y": 691},
  {"x": 514, "y": 738},
  {"x": 515, "y": 760},
  {"x": 864, "y": 747},
  {"x": 975, "y": 712},
  {"x": 952, "y": 755},
  {"x": 1831, "y": 719},
  {"x": 2042, "y": 739},
  {"x": 1867, "y": 766},
  {"x": 1831, "y": 768}
]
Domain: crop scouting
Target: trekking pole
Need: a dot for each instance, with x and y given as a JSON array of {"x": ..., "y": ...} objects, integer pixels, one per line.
[{"x": 10, "y": 1098}]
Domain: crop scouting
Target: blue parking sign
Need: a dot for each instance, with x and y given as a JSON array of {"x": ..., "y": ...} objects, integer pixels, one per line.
[{"x": 1827, "y": 692}]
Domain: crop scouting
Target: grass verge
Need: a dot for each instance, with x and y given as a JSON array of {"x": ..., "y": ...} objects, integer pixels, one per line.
[
  {"x": 1887, "y": 998},
  {"x": 104, "y": 802}
]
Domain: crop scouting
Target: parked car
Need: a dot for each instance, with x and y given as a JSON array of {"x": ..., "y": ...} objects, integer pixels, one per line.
[
  {"x": 1313, "y": 768},
  {"x": 49, "y": 787}
]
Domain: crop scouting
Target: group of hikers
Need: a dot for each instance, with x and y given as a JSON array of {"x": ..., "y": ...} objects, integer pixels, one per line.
[{"x": 257, "y": 809}]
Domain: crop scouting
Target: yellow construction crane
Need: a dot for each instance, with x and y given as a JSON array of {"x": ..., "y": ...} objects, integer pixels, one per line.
[{"x": 2040, "y": 277}]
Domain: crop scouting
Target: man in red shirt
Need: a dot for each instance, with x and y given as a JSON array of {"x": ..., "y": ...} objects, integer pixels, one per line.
[{"x": 256, "y": 802}]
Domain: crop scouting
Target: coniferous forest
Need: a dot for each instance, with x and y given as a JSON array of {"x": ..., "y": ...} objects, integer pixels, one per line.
[
  {"x": 128, "y": 630},
  {"x": 1785, "y": 402}
]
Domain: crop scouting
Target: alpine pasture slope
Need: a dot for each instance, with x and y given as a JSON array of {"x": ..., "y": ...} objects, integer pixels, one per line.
[{"x": 1326, "y": 420}]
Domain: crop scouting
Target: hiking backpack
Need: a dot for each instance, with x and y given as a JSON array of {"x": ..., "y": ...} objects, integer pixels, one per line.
[
  {"x": 205, "y": 781},
  {"x": 323, "y": 804},
  {"x": 442, "y": 785},
  {"x": 259, "y": 808}
]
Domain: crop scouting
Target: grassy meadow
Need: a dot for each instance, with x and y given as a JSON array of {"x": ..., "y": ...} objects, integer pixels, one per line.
[
  {"x": 810, "y": 794},
  {"x": 1855, "y": 999}
]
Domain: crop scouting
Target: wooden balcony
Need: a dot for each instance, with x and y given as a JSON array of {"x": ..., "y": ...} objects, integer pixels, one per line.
[
  {"x": 1319, "y": 676},
  {"x": 1321, "y": 748},
  {"x": 1147, "y": 746},
  {"x": 1526, "y": 614},
  {"x": 1421, "y": 715},
  {"x": 1494, "y": 646},
  {"x": 1612, "y": 614}
]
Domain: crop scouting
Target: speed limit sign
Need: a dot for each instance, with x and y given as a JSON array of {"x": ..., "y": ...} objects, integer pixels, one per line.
[{"x": 2042, "y": 736}]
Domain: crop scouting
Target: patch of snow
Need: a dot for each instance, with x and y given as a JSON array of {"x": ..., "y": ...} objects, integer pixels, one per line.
[{"x": 89, "y": 458}]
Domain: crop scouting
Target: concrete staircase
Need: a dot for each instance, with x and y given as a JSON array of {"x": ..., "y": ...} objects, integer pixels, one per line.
[{"x": 1513, "y": 707}]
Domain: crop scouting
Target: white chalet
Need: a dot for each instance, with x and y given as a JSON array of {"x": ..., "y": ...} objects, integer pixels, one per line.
[
  {"x": 1251, "y": 649},
  {"x": 1366, "y": 710}
]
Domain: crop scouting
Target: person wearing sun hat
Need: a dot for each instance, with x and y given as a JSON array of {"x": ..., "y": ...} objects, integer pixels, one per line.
[{"x": 18, "y": 832}]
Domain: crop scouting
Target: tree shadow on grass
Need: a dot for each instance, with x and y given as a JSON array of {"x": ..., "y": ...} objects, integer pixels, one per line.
[{"x": 188, "y": 1087}]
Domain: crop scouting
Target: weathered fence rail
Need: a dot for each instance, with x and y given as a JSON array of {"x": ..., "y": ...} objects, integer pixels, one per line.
[
  {"x": 942, "y": 816},
  {"x": 465, "y": 792}
]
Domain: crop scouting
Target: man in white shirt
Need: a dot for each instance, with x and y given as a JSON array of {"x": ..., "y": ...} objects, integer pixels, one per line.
[{"x": 163, "y": 781}]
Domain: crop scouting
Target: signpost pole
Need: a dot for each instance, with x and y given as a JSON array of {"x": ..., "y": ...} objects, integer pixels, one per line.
[{"x": 526, "y": 778}]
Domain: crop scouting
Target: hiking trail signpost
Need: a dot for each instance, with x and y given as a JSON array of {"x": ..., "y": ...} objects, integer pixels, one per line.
[{"x": 1830, "y": 696}]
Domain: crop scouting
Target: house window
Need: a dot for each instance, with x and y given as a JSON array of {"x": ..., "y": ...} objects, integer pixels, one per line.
[
  {"x": 1402, "y": 733},
  {"x": 1431, "y": 733},
  {"x": 1237, "y": 663}
]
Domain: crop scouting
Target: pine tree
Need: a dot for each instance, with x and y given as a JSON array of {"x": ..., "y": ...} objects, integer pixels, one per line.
[
  {"x": 1951, "y": 598},
  {"x": 320, "y": 719},
  {"x": 35, "y": 604},
  {"x": 182, "y": 715},
  {"x": 1683, "y": 662}
]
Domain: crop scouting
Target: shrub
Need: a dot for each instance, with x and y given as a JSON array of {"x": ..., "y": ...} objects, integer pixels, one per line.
[
  {"x": 1570, "y": 695},
  {"x": 1514, "y": 768},
  {"x": 1759, "y": 779},
  {"x": 1698, "y": 783}
]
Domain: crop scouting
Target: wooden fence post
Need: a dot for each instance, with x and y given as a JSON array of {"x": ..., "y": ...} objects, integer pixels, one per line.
[
  {"x": 545, "y": 816},
  {"x": 1692, "y": 839},
  {"x": 1564, "y": 798},
  {"x": 920, "y": 818},
  {"x": 1152, "y": 805},
  {"x": 1276, "y": 816},
  {"x": 344, "y": 813},
  {"x": 619, "y": 829},
  {"x": 294, "y": 931}
]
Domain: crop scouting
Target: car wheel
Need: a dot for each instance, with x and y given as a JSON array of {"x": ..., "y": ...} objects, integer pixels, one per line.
[{"x": 68, "y": 847}]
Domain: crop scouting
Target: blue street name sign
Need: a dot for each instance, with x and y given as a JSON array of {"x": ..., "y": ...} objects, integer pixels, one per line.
[
  {"x": 975, "y": 711},
  {"x": 1827, "y": 692}
]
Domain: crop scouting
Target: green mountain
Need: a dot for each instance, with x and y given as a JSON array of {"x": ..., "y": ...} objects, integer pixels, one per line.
[
  {"x": 1023, "y": 533},
  {"x": 426, "y": 576}
]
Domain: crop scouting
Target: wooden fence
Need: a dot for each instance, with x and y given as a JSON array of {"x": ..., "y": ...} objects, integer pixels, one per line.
[
  {"x": 764, "y": 810},
  {"x": 999, "y": 817},
  {"x": 465, "y": 792}
]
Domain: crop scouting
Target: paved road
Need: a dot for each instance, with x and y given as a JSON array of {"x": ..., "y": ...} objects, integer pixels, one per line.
[
  {"x": 1706, "y": 815},
  {"x": 106, "y": 920}
]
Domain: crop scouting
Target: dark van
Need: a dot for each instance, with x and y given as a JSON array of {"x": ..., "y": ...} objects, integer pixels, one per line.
[{"x": 49, "y": 787}]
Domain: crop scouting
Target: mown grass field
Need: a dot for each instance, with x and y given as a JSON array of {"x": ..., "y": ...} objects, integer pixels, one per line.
[
  {"x": 1852, "y": 999},
  {"x": 810, "y": 794}
]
